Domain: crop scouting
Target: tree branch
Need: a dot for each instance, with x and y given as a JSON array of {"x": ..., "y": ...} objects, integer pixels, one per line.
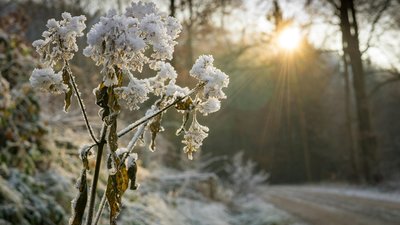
[
  {"x": 395, "y": 78},
  {"x": 378, "y": 16},
  {"x": 334, "y": 4}
]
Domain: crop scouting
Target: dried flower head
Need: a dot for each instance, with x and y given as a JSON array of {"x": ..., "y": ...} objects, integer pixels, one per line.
[
  {"x": 193, "y": 138},
  {"x": 121, "y": 40},
  {"x": 47, "y": 80},
  {"x": 60, "y": 39},
  {"x": 135, "y": 93},
  {"x": 214, "y": 79}
]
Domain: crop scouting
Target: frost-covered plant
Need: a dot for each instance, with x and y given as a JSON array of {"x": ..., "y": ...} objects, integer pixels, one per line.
[
  {"x": 122, "y": 44},
  {"x": 242, "y": 176}
]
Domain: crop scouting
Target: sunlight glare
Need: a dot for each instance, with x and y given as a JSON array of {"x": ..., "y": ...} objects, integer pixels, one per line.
[{"x": 289, "y": 38}]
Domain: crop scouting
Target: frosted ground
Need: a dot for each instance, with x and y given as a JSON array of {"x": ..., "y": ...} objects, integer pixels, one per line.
[{"x": 165, "y": 196}]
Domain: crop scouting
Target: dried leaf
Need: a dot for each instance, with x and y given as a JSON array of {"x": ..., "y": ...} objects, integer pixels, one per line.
[
  {"x": 186, "y": 104},
  {"x": 78, "y": 205},
  {"x": 68, "y": 94},
  {"x": 112, "y": 100},
  {"x": 155, "y": 128},
  {"x": 116, "y": 186},
  {"x": 132, "y": 170},
  {"x": 101, "y": 93},
  {"x": 112, "y": 138},
  {"x": 84, "y": 156}
]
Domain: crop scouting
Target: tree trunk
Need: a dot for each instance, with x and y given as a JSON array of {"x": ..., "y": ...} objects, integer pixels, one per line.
[
  {"x": 367, "y": 140},
  {"x": 172, "y": 8},
  {"x": 189, "y": 40},
  {"x": 349, "y": 122}
]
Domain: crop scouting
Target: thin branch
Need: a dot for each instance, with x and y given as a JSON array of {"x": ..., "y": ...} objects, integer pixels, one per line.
[
  {"x": 396, "y": 78},
  {"x": 132, "y": 143},
  {"x": 136, "y": 137},
  {"x": 139, "y": 122},
  {"x": 148, "y": 117},
  {"x": 334, "y": 4},
  {"x": 96, "y": 173},
  {"x": 101, "y": 207},
  {"x": 375, "y": 21},
  {"x": 82, "y": 106}
]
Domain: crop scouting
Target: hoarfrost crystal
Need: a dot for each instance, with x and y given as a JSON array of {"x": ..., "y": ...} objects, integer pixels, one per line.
[
  {"x": 214, "y": 79},
  {"x": 194, "y": 137},
  {"x": 135, "y": 93},
  {"x": 209, "y": 106},
  {"x": 120, "y": 41},
  {"x": 60, "y": 39},
  {"x": 115, "y": 41},
  {"x": 46, "y": 80}
]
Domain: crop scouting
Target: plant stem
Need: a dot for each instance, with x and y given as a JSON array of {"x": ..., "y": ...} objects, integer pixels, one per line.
[
  {"x": 139, "y": 122},
  {"x": 146, "y": 118},
  {"x": 131, "y": 144},
  {"x": 101, "y": 207},
  {"x": 82, "y": 106},
  {"x": 96, "y": 173}
]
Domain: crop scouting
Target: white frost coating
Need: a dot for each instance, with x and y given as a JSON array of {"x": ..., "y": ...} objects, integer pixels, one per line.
[
  {"x": 48, "y": 81},
  {"x": 217, "y": 81},
  {"x": 214, "y": 78},
  {"x": 60, "y": 39},
  {"x": 194, "y": 137},
  {"x": 176, "y": 91},
  {"x": 112, "y": 170},
  {"x": 5, "y": 97},
  {"x": 173, "y": 27},
  {"x": 121, "y": 40},
  {"x": 141, "y": 9},
  {"x": 115, "y": 41},
  {"x": 157, "y": 34},
  {"x": 165, "y": 71},
  {"x": 121, "y": 151},
  {"x": 135, "y": 93},
  {"x": 208, "y": 99},
  {"x": 209, "y": 106},
  {"x": 151, "y": 111},
  {"x": 130, "y": 160}
]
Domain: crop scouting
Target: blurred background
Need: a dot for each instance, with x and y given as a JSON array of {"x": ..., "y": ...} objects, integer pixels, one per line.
[{"x": 313, "y": 101}]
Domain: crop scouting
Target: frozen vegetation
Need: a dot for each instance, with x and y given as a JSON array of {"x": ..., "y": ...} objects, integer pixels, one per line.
[{"x": 166, "y": 196}]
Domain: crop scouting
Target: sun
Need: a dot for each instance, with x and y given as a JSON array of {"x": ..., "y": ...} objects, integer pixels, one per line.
[{"x": 289, "y": 38}]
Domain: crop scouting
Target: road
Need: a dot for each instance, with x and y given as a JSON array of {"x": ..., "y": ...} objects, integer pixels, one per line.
[{"x": 319, "y": 207}]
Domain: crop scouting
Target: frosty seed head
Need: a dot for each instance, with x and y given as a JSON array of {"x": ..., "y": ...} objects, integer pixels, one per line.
[
  {"x": 47, "y": 80},
  {"x": 59, "y": 41}
]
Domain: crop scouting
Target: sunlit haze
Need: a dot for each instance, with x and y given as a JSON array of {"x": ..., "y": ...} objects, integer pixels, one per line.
[{"x": 289, "y": 38}]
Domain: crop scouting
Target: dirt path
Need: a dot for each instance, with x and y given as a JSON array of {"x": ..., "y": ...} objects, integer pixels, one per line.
[{"x": 318, "y": 207}]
